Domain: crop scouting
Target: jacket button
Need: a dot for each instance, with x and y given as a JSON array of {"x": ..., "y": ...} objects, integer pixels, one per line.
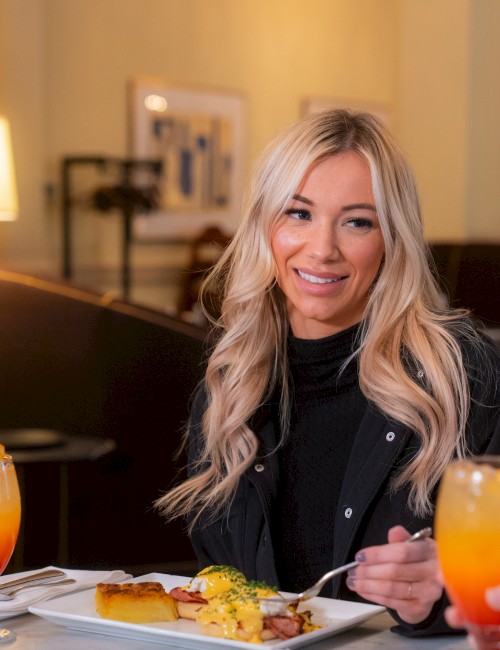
[
  {"x": 348, "y": 513},
  {"x": 258, "y": 467},
  {"x": 390, "y": 436}
]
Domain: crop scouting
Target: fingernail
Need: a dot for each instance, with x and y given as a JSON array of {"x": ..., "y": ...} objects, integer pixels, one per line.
[
  {"x": 360, "y": 556},
  {"x": 351, "y": 572},
  {"x": 351, "y": 583}
]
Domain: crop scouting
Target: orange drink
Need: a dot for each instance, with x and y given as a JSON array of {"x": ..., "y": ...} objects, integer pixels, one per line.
[
  {"x": 10, "y": 508},
  {"x": 468, "y": 537}
]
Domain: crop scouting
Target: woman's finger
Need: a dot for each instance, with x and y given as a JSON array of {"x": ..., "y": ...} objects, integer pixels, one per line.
[
  {"x": 391, "y": 571},
  {"x": 413, "y": 603},
  {"x": 453, "y": 617},
  {"x": 493, "y": 597},
  {"x": 399, "y": 575},
  {"x": 399, "y": 590},
  {"x": 398, "y": 534},
  {"x": 398, "y": 553}
]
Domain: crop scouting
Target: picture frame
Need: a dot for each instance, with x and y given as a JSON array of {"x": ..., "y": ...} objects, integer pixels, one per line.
[
  {"x": 197, "y": 135},
  {"x": 313, "y": 104}
]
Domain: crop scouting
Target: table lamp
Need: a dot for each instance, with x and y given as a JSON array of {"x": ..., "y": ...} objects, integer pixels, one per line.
[{"x": 8, "y": 192}]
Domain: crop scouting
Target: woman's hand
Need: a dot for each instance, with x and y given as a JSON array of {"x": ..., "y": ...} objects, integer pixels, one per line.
[
  {"x": 401, "y": 576},
  {"x": 455, "y": 619}
]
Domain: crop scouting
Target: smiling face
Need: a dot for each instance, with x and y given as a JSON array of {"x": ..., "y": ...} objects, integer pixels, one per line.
[{"x": 328, "y": 247}]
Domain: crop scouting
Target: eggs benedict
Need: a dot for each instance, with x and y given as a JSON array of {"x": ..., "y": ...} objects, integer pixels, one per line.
[
  {"x": 244, "y": 613},
  {"x": 206, "y": 585}
]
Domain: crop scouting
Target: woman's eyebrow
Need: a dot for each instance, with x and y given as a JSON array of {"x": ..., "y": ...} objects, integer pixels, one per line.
[
  {"x": 302, "y": 199},
  {"x": 345, "y": 208},
  {"x": 359, "y": 206}
]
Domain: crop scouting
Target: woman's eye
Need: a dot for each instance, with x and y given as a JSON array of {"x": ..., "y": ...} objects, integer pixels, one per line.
[
  {"x": 359, "y": 222},
  {"x": 301, "y": 215}
]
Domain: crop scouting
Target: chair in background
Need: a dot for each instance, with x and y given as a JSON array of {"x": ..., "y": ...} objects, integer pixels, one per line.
[{"x": 204, "y": 251}]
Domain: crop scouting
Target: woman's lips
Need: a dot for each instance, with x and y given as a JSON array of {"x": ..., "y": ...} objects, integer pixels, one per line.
[{"x": 317, "y": 279}]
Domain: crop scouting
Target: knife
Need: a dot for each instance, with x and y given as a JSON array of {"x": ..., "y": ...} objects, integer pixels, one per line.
[{"x": 33, "y": 577}]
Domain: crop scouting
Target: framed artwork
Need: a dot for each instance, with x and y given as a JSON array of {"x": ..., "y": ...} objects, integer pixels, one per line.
[
  {"x": 197, "y": 135},
  {"x": 314, "y": 104}
]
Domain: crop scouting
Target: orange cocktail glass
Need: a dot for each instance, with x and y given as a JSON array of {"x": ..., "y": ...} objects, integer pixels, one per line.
[
  {"x": 468, "y": 537},
  {"x": 10, "y": 508}
]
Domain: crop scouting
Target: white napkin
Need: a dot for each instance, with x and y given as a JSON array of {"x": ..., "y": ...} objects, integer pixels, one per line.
[{"x": 31, "y": 595}]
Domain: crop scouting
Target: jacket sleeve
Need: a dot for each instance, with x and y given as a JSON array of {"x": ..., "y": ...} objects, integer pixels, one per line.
[
  {"x": 213, "y": 541},
  {"x": 433, "y": 625},
  {"x": 195, "y": 446}
]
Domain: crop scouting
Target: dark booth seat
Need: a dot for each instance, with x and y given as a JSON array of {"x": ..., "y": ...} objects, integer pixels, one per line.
[
  {"x": 89, "y": 370},
  {"x": 469, "y": 273}
]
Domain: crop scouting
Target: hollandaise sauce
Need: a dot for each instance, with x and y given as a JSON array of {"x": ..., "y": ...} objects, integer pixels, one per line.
[
  {"x": 236, "y": 615},
  {"x": 215, "y": 580}
]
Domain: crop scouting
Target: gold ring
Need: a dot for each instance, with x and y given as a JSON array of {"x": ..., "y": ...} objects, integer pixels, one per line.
[{"x": 410, "y": 591}]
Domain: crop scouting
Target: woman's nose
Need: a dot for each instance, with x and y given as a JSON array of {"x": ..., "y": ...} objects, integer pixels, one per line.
[{"x": 323, "y": 243}]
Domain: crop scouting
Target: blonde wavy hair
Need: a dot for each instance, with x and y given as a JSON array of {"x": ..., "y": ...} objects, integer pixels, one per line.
[{"x": 410, "y": 363}]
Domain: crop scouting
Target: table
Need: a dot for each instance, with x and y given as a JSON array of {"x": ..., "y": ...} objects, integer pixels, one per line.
[{"x": 34, "y": 633}]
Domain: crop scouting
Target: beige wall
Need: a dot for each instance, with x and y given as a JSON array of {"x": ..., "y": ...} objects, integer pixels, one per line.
[
  {"x": 65, "y": 65},
  {"x": 274, "y": 51},
  {"x": 433, "y": 108},
  {"x": 448, "y": 105},
  {"x": 22, "y": 98},
  {"x": 483, "y": 173}
]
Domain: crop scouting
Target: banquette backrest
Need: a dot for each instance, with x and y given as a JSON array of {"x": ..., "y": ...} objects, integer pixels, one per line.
[
  {"x": 87, "y": 365},
  {"x": 470, "y": 275}
]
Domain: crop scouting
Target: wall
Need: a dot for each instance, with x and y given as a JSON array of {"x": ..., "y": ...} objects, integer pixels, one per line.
[
  {"x": 448, "y": 100},
  {"x": 65, "y": 66},
  {"x": 23, "y": 100},
  {"x": 273, "y": 51},
  {"x": 433, "y": 108},
  {"x": 483, "y": 186}
]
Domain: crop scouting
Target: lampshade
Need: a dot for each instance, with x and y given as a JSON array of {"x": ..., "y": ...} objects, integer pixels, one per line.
[{"x": 8, "y": 192}]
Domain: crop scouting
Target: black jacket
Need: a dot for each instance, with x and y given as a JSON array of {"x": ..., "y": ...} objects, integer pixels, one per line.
[{"x": 366, "y": 508}]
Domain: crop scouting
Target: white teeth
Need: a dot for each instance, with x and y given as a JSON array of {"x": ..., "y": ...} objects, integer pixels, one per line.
[{"x": 316, "y": 280}]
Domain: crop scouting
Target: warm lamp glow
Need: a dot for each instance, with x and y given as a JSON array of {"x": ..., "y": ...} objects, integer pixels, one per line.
[{"x": 8, "y": 192}]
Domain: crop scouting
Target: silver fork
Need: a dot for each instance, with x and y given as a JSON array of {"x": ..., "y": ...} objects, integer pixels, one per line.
[
  {"x": 313, "y": 591},
  {"x": 9, "y": 594}
]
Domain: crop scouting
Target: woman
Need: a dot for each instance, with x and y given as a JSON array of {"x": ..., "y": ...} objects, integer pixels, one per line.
[{"x": 339, "y": 385}]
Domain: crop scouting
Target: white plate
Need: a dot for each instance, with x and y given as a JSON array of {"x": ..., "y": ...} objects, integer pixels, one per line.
[{"x": 77, "y": 612}]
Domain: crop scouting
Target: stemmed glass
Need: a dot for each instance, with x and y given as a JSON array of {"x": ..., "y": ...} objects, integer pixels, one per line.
[
  {"x": 468, "y": 538},
  {"x": 10, "y": 518}
]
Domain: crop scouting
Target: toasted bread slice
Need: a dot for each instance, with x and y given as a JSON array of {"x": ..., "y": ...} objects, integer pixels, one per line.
[{"x": 141, "y": 602}]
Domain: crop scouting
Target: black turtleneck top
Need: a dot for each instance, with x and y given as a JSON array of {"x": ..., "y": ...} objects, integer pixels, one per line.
[{"x": 328, "y": 406}]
